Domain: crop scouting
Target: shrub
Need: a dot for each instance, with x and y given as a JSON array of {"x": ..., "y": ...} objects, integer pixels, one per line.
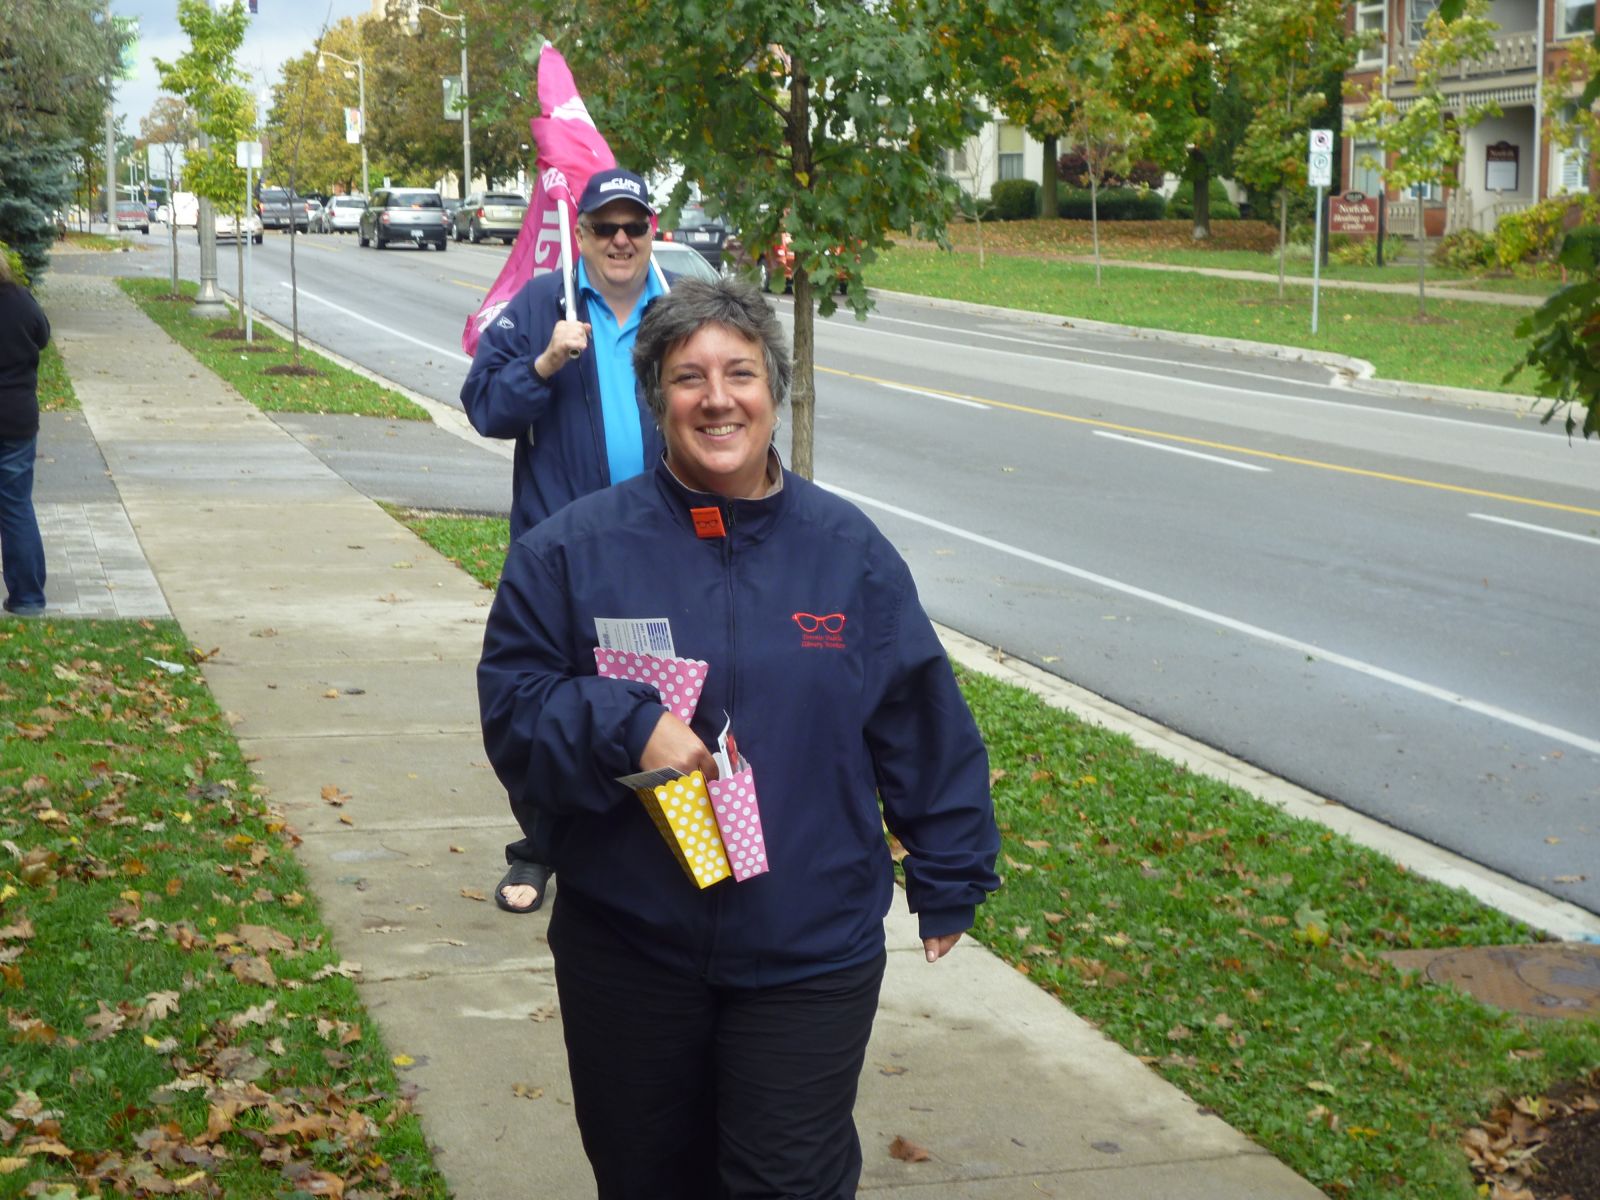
[
  {"x": 1181, "y": 205},
  {"x": 1535, "y": 232},
  {"x": 1465, "y": 250},
  {"x": 1073, "y": 170},
  {"x": 1015, "y": 199},
  {"x": 1363, "y": 252},
  {"x": 1581, "y": 245},
  {"x": 1115, "y": 204},
  {"x": 19, "y": 271}
]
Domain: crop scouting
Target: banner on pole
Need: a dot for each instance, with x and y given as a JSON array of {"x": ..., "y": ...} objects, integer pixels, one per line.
[
  {"x": 452, "y": 97},
  {"x": 352, "y": 126},
  {"x": 570, "y": 149}
]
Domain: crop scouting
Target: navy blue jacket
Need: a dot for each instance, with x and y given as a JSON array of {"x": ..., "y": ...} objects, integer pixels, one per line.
[
  {"x": 557, "y": 423},
  {"x": 24, "y": 332},
  {"x": 831, "y": 723}
]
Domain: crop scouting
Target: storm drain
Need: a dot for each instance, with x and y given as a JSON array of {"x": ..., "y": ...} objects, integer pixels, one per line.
[{"x": 1554, "y": 979}]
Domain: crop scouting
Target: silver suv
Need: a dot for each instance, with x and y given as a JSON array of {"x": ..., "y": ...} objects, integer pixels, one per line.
[{"x": 404, "y": 216}]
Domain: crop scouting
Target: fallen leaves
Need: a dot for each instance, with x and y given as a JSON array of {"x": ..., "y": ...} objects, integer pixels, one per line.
[{"x": 908, "y": 1151}]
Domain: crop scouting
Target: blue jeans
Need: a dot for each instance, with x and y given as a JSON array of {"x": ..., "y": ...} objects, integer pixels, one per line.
[{"x": 21, "y": 547}]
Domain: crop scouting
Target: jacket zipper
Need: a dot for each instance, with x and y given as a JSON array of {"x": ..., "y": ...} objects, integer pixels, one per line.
[{"x": 733, "y": 687}]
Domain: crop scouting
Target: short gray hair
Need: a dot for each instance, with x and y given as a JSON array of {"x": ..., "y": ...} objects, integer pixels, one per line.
[{"x": 690, "y": 306}]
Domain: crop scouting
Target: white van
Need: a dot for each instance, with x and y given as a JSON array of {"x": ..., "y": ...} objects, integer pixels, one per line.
[{"x": 186, "y": 210}]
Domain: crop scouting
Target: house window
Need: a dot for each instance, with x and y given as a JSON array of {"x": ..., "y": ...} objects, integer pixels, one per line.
[
  {"x": 1577, "y": 17},
  {"x": 1423, "y": 191},
  {"x": 1366, "y": 179},
  {"x": 1370, "y": 20},
  {"x": 1571, "y": 163},
  {"x": 958, "y": 161},
  {"x": 1010, "y": 152},
  {"x": 1419, "y": 11}
]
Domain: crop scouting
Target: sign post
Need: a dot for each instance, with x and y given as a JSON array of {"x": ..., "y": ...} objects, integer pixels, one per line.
[
  {"x": 248, "y": 156},
  {"x": 1319, "y": 174}
]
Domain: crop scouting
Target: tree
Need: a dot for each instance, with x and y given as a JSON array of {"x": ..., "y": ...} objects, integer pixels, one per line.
[
  {"x": 967, "y": 169},
  {"x": 1565, "y": 335},
  {"x": 1422, "y": 144},
  {"x": 169, "y": 123},
  {"x": 57, "y": 61},
  {"x": 829, "y": 121},
  {"x": 207, "y": 77},
  {"x": 328, "y": 162},
  {"x": 1106, "y": 135},
  {"x": 1301, "y": 45},
  {"x": 1178, "y": 70}
]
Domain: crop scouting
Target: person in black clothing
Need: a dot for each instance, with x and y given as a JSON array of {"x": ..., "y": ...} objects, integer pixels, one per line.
[{"x": 24, "y": 332}]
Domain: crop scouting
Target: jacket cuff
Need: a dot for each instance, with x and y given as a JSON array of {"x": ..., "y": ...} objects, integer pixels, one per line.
[
  {"x": 638, "y": 729},
  {"x": 937, "y": 922}
]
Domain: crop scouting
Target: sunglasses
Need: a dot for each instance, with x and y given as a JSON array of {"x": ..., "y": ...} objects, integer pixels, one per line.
[{"x": 607, "y": 230}]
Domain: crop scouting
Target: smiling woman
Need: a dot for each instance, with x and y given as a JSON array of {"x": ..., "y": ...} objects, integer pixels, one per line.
[{"x": 802, "y": 625}]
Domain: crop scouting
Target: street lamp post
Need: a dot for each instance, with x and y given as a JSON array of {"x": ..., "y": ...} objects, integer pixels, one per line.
[
  {"x": 361, "y": 99},
  {"x": 414, "y": 23}
]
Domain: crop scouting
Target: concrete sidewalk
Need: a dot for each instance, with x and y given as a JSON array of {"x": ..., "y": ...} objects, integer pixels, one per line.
[{"x": 346, "y": 650}]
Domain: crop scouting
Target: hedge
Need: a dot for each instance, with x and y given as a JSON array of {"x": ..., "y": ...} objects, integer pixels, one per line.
[
  {"x": 1015, "y": 199},
  {"x": 1115, "y": 204},
  {"x": 1181, "y": 205}
]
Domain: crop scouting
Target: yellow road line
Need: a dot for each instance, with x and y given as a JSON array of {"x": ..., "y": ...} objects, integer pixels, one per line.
[
  {"x": 477, "y": 287},
  {"x": 1341, "y": 468}
]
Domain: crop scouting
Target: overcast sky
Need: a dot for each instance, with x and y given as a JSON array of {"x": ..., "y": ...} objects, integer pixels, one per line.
[{"x": 280, "y": 31}]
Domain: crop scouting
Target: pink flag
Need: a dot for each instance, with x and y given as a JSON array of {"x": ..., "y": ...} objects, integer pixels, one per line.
[{"x": 570, "y": 150}]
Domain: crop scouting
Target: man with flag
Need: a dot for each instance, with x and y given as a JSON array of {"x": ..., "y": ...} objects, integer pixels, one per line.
[{"x": 560, "y": 381}]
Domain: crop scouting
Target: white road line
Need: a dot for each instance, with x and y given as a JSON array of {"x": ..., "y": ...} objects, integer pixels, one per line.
[
  {"x": 1370, "y": 409},
  {"x": 355, "y": 316},
  {"x": 900, "y": 387},
  {"x": 1227, "y": 462},
  {"x": 1493, "y": 711},
  {"x": 1560, "y": 533}
]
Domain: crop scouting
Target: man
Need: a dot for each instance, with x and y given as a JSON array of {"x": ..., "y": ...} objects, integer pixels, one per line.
[{"x": 562, "y": 385}]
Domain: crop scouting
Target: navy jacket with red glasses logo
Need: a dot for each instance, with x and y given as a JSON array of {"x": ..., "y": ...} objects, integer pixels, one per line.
[{"x": 839, "y": 693}]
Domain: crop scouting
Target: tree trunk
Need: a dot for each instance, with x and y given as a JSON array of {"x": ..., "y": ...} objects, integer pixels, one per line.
[
  {"x": 1048, "y": 208},
  {"x": 803, "y": 395},
  {"x": 1283, "y": 233},
  {"x": 1094, "y": 223},
  {"x": 1422, "y": 263},
  {"x": 1200, "y": 172}
]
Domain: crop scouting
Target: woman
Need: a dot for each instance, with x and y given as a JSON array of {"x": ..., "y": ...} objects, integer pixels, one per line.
[
  {"x": 715, "y": 1036},
  {"x": 24, "y": 332}
]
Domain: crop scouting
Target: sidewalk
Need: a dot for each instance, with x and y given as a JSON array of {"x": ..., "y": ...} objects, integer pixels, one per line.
[
  {"x": 308, "y": 588},
  {"x": 1441, "y": 289}
]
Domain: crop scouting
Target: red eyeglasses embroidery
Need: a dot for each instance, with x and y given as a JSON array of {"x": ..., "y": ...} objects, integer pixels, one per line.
[{"x": 820, "y": 632}]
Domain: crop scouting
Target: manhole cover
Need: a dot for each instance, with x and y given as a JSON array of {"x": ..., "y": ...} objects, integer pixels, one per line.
[{"x": 1559, "y": 979}]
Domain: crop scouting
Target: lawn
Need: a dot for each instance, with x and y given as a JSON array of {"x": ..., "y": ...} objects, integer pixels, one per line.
[
  {"x": 328, "y": 388},
  {"x": 1235, "y": 950},
  {"x": 95, "y": 241},
  {"x": 1461, "y": 345},
  {"x": 55, "y": 387},
  {"x": 177, "y": 1018}
]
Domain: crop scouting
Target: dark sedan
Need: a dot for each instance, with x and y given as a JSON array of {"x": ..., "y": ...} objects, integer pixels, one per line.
[{"x": 699, "y": 231}]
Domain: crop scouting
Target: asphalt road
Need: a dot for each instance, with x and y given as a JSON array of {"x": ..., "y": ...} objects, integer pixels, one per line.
[{"x": 1388, "y": 602}]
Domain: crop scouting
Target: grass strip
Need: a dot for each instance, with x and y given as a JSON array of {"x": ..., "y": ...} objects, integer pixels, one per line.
[
  {"x": 177, "y": 1019},
  {"x": 95, "y": 241},
  {"x": 55, "y": 385},
  {"x": 1469, "y": 345},
  {"x": 328, "y": 389},
  {"x": 1234, "y": 949}
]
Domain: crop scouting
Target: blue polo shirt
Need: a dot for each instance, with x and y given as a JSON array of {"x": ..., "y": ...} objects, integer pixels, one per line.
[{"x": 613, "y": 362}]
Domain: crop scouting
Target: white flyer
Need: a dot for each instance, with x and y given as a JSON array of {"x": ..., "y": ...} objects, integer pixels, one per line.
[{"x": 644, "y": 635}]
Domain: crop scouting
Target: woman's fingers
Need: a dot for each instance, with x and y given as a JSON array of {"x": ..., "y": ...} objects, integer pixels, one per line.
[{"x": 673, "y": 744}]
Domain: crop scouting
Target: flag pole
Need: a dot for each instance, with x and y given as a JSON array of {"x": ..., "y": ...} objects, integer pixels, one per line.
[{"x": 566, "y": 263}]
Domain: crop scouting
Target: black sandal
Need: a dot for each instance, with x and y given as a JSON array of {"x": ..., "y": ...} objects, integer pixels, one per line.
[{"x": 524, "y": 874}]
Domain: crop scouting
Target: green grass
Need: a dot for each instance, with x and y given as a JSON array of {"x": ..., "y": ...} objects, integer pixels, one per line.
[
  {"x": 162, "y": 970},
  {"x": 1234, "y": 949},
  {"x": 332, "y": 390},
  {"x": 95, "y": 241},
  {"x": 1463, "y": 344},
  {"x": 55, "y": 387},
  {"x": 477, "y": 545}
]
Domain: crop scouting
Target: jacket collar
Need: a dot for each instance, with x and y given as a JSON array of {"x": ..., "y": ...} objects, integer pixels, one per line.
[{"x": 743, "y": 521}]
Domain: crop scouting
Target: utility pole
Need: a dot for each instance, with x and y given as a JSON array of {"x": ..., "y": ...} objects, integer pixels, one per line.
[
  {"x": 208, "y": 302},
  {"x": 414, "y": 24},
  {"x": 359, "y": 62},
  {"x": 111, "y": 146}
]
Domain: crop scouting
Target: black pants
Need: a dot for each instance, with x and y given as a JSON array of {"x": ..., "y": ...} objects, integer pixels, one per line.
[{"x": 684, "y": 1091}]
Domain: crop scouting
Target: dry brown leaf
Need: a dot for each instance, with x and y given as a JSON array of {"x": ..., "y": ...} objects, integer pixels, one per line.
[
  {"x": 526, "y": 1091},
  {"x": 906, "y": 1150},
  {"x": 252, "y": 968},
  {"x": 473, "y": 894}
]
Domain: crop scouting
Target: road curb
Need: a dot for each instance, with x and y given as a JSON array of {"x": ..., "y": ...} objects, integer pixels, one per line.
[
  {"x": 1356, "y": 374},
  {"x": 1517, "y": 900}
]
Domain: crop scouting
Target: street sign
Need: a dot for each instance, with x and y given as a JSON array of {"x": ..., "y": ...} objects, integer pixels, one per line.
[
  {"x": 247, "y": 154},
  {"x": 1319, "y": 170},
  {"x": 1322, "y": 141}
]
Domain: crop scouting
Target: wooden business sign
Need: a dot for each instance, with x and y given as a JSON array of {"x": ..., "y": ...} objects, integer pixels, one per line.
[{"x": 1353, "y": 213}]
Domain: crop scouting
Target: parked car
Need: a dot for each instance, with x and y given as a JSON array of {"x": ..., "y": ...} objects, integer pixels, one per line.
[
  {"x": 675, "y": 258},
  {"x": 163, "y": 214},
  {"x": 313, "y": 215},
  {"x": 278, "y": 208},
  {"x": 132, "y": 214},
  {"x": 342, "y": 214},
  {"x": 451, "y": 204},
  {"x": 228, "y": 228},
  {"x": 407, "y": 216},
  {"x": 490, "y": 214},
  {"x": 186, "y": 209},
  {"x": 774, "y": 266},
  {"x": 695, "y": 228}
]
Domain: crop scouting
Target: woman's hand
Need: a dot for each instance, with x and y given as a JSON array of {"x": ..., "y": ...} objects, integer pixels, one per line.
[
  {"x": 937, "y": 947},
  {"x": 673, "y": 744}
]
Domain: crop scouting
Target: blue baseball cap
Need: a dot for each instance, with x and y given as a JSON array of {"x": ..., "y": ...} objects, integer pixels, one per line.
[{"x": 614, "y": 184}]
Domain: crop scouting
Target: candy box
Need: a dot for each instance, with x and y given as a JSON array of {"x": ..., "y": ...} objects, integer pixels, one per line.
[
  {"x": 738, "y": 816},
  {"x": 679, "y": 680},
  {"x": 681, "y": 810}
]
